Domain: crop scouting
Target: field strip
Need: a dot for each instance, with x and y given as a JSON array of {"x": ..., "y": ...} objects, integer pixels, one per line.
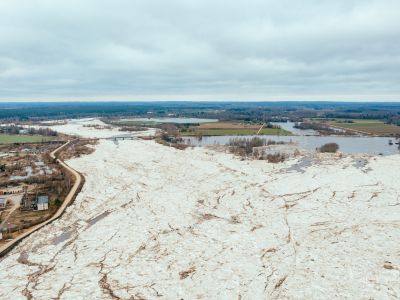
[{"x": 351, "y": 129}]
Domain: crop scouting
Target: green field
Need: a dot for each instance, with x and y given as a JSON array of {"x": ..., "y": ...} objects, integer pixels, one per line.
[
  {"x": 19, "y": 138},
  {"x": 214, "y": 132},
  {"x": 373, "y": 127},
  {"x": 135, "y": 123},
  {"x": 357, "y": 124}
]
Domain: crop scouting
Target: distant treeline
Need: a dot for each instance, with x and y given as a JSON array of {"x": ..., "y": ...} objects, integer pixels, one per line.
[
  {"x": 12, "y": 129},
  {"x": 241, "y": 111}
]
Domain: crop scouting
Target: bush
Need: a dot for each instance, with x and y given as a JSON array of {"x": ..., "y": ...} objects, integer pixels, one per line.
[
  {"x": 132, "y": 128},
  {"x": 247, "y": 147},
  {"x": 173, "y": 144},
  {"x": 272, "y": 142},
  {"x": 179, "y": 146},
  {"x": 329, "y": 148},
  {"x": 165, "y": 137},
  {"x": 243, "y": 146},
  {"x": 57, "y": 202},
  {"x": 276, "y": 158}
]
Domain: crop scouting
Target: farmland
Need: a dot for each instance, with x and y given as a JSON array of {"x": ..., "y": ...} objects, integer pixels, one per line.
[
  {"x": 19, "y": 138},
  {"x": 244, "y": 131},
  {"x": 232, "y": 128},
  {"x": 373, "y": 127}
]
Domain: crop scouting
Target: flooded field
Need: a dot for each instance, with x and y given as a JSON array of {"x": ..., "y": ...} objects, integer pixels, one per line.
[
  {"x": 310, "y": 140},
  {"x": 172, "y": 120},
  {"x": 353, "y": 144},
  {"x": 289, "y": 126}
]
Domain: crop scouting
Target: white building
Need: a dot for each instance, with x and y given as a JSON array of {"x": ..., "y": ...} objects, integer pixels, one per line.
[
  {"x": 43, "y": 203},
  {"x": 3, "y": 202}
]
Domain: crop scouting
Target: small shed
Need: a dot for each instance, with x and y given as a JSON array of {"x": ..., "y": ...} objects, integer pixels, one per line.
[
  {"x": 43, "y": 202},
  {"x": 3, "y": 202}
]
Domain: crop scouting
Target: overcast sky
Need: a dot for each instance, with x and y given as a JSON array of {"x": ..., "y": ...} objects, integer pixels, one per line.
[{"x": 200, "y": 50}]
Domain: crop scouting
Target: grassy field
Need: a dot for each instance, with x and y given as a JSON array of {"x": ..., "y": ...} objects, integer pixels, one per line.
[
  {"x": 375, "y": 127},
  {"x": 213, "y": 132},
  {"x": 19, "y": 138},
  {"x": 232, "y": 128},
  {"x": 135, "y": 123},
  {"x": 228, "y": 125}
]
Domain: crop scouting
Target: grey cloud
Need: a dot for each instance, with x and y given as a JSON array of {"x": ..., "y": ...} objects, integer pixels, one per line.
[{"x": 185, "y": 49}]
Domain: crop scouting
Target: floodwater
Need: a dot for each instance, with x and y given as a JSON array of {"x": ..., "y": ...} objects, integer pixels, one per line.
[
  {"x": 289, "y": 126},
  {"x": 310, "y": 140},
  {"x": 347, "y": 144},
  {"x": 172, "y": 120}
]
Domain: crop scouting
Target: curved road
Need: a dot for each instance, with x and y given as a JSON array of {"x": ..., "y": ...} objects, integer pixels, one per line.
[{"x": 78, "y": 179}]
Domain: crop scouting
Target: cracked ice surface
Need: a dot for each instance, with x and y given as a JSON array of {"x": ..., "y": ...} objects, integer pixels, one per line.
[
  {"x": 156, "y": 222},
  {"x": 82, "y": 127}
]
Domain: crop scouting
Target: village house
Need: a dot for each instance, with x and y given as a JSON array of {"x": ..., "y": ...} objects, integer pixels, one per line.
[
  {"x": 42, "y": 202},
  {"x": 12, "y": 190},
  {"x": 3, "y": 202},
  {"x": 27, "y": 202},
  {"x": 31, "y": 151},
  {"x": 4, "y": 155}
]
